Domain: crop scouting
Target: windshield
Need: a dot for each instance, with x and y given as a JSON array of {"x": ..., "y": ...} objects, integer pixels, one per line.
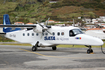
[{"x": 75, "y": 32}]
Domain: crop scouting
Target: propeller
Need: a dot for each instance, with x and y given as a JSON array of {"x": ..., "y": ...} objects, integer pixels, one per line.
[{"x": 44, "y": 28}]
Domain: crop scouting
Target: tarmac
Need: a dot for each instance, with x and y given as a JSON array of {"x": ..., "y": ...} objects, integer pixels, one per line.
[{"x": 22, "y": 58}]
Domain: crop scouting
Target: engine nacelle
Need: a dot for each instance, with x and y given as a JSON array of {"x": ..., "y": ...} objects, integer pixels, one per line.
[{"x": 37, "y": 29}]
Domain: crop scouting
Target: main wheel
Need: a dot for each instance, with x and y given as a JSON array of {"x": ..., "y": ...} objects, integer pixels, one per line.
[
  {"x": 89, "y": 51},
  {"x": 34, "y": 48},
  {"x": 54, "y": 48}
]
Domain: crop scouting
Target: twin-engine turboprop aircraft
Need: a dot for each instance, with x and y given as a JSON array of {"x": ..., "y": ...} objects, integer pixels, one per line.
[{"x": 40, "y": 35}]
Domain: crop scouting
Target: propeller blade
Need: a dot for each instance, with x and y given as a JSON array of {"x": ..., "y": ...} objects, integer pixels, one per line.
[
  {"x": 47, "y": 21},
  {"x": 49, "y": 32},
  {"x": 41, "y": 35},
  {"x": 44, "y": 29},
  {"x": 40, "y": 24}
]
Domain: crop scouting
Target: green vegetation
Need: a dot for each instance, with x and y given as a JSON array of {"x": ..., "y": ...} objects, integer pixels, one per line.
[
  {"x": 40, "y": 10},
  {"x": 66, "y": 46},
  {"x": 16, "y": 44},
  {"x": 86, "y": 3},
  {"x": 78, "y": 46},
  {"x": 4, "y": 39}
]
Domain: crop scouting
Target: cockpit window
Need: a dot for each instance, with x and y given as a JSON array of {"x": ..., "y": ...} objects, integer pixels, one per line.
[{"x": 75, "y": 32}]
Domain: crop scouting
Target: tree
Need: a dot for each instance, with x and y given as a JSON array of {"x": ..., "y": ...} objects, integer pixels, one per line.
[
  {"x": 40, "y": 0},
  {"x": 98, "y": 1}
]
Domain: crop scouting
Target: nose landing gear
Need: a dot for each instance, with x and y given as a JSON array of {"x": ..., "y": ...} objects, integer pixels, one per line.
[{"x": 89, "y": 51}]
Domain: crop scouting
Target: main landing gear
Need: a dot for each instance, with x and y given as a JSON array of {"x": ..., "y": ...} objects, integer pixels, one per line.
[
  {"x": 34, "y": 48},
  {"x": 54, "y": 48},
  {"x": 89, "y": 51}
]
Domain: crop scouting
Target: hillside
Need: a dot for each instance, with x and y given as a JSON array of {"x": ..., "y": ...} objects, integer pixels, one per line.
[{"x": 39, "y": 10}]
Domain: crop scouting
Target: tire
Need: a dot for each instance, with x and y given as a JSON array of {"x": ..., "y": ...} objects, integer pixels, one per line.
[
  {"x": 54, "y": 48},
  {"x": 89, "y": 51},
  {"x": 34, "y": 48}
]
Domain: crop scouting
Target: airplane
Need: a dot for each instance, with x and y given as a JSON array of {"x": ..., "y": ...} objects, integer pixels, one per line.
[
  {"x": 96, "y": 32},
  {"x": 39, "y": 35}
]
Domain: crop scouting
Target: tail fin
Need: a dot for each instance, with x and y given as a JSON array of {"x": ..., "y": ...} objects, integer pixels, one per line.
[{"x": 6, "y": 21}]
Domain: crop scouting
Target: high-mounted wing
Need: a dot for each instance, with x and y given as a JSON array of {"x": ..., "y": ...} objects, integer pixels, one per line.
[
  {"x": 17, "y": 25},
  {"x": 7, "y": 27}
]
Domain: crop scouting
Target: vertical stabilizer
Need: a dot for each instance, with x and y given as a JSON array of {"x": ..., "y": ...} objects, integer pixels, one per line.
[{"x": 6, "y": 21}]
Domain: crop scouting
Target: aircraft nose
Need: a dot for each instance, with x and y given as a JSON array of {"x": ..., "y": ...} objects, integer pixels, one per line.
[
  {"x": 100, "y": 42},
  {"x": 96, "y": 41},
  {"x": 90, "y": 40}
]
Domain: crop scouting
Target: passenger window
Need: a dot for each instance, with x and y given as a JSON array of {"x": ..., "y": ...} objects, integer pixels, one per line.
[
  {"x": 23, "y": 34},
  {"x": 32, "y": 34},
  {"x": 46, "y": 33},
  {"x": 58, "y": 33},
  {"x": 37, "y": 34},
  {"x": 28, "y": 34},
  {"x": 53, "y": 33},
  {"x": 62, "y": 33}
]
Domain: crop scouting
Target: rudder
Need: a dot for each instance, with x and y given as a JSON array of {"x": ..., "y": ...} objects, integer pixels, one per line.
[{"x": 6, "y": 21}]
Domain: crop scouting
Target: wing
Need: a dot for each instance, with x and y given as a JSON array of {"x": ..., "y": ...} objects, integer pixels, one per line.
[
  {"x": 7, "y": 27},
  {"x": 17, "y": 25},
  {"x": 11, "y": 28}
]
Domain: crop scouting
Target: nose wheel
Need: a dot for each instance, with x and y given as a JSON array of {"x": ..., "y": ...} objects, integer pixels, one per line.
[{"x": 89, "y": 51}]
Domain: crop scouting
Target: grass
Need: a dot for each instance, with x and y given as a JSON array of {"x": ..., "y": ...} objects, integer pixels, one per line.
[
  {"x": 16, "y": 44},
  {"x": 78, "y": 46},
  {"x": 66, "y": 46}
]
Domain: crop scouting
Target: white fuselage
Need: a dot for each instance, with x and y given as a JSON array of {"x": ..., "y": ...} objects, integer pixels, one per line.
[{"x": 60, "y": 35}]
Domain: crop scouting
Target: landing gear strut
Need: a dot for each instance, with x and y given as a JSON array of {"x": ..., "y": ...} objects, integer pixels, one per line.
[
  {"x": 89, "y": 51},
  {"x": 34, "y": 48}
]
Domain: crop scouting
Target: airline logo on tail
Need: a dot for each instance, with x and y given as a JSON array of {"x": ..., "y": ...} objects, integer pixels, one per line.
[{"x": 6, "y": 21}]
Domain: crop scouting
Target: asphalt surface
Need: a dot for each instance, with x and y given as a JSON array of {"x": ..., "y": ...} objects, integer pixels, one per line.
[{"x": 22, "y": 58}]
